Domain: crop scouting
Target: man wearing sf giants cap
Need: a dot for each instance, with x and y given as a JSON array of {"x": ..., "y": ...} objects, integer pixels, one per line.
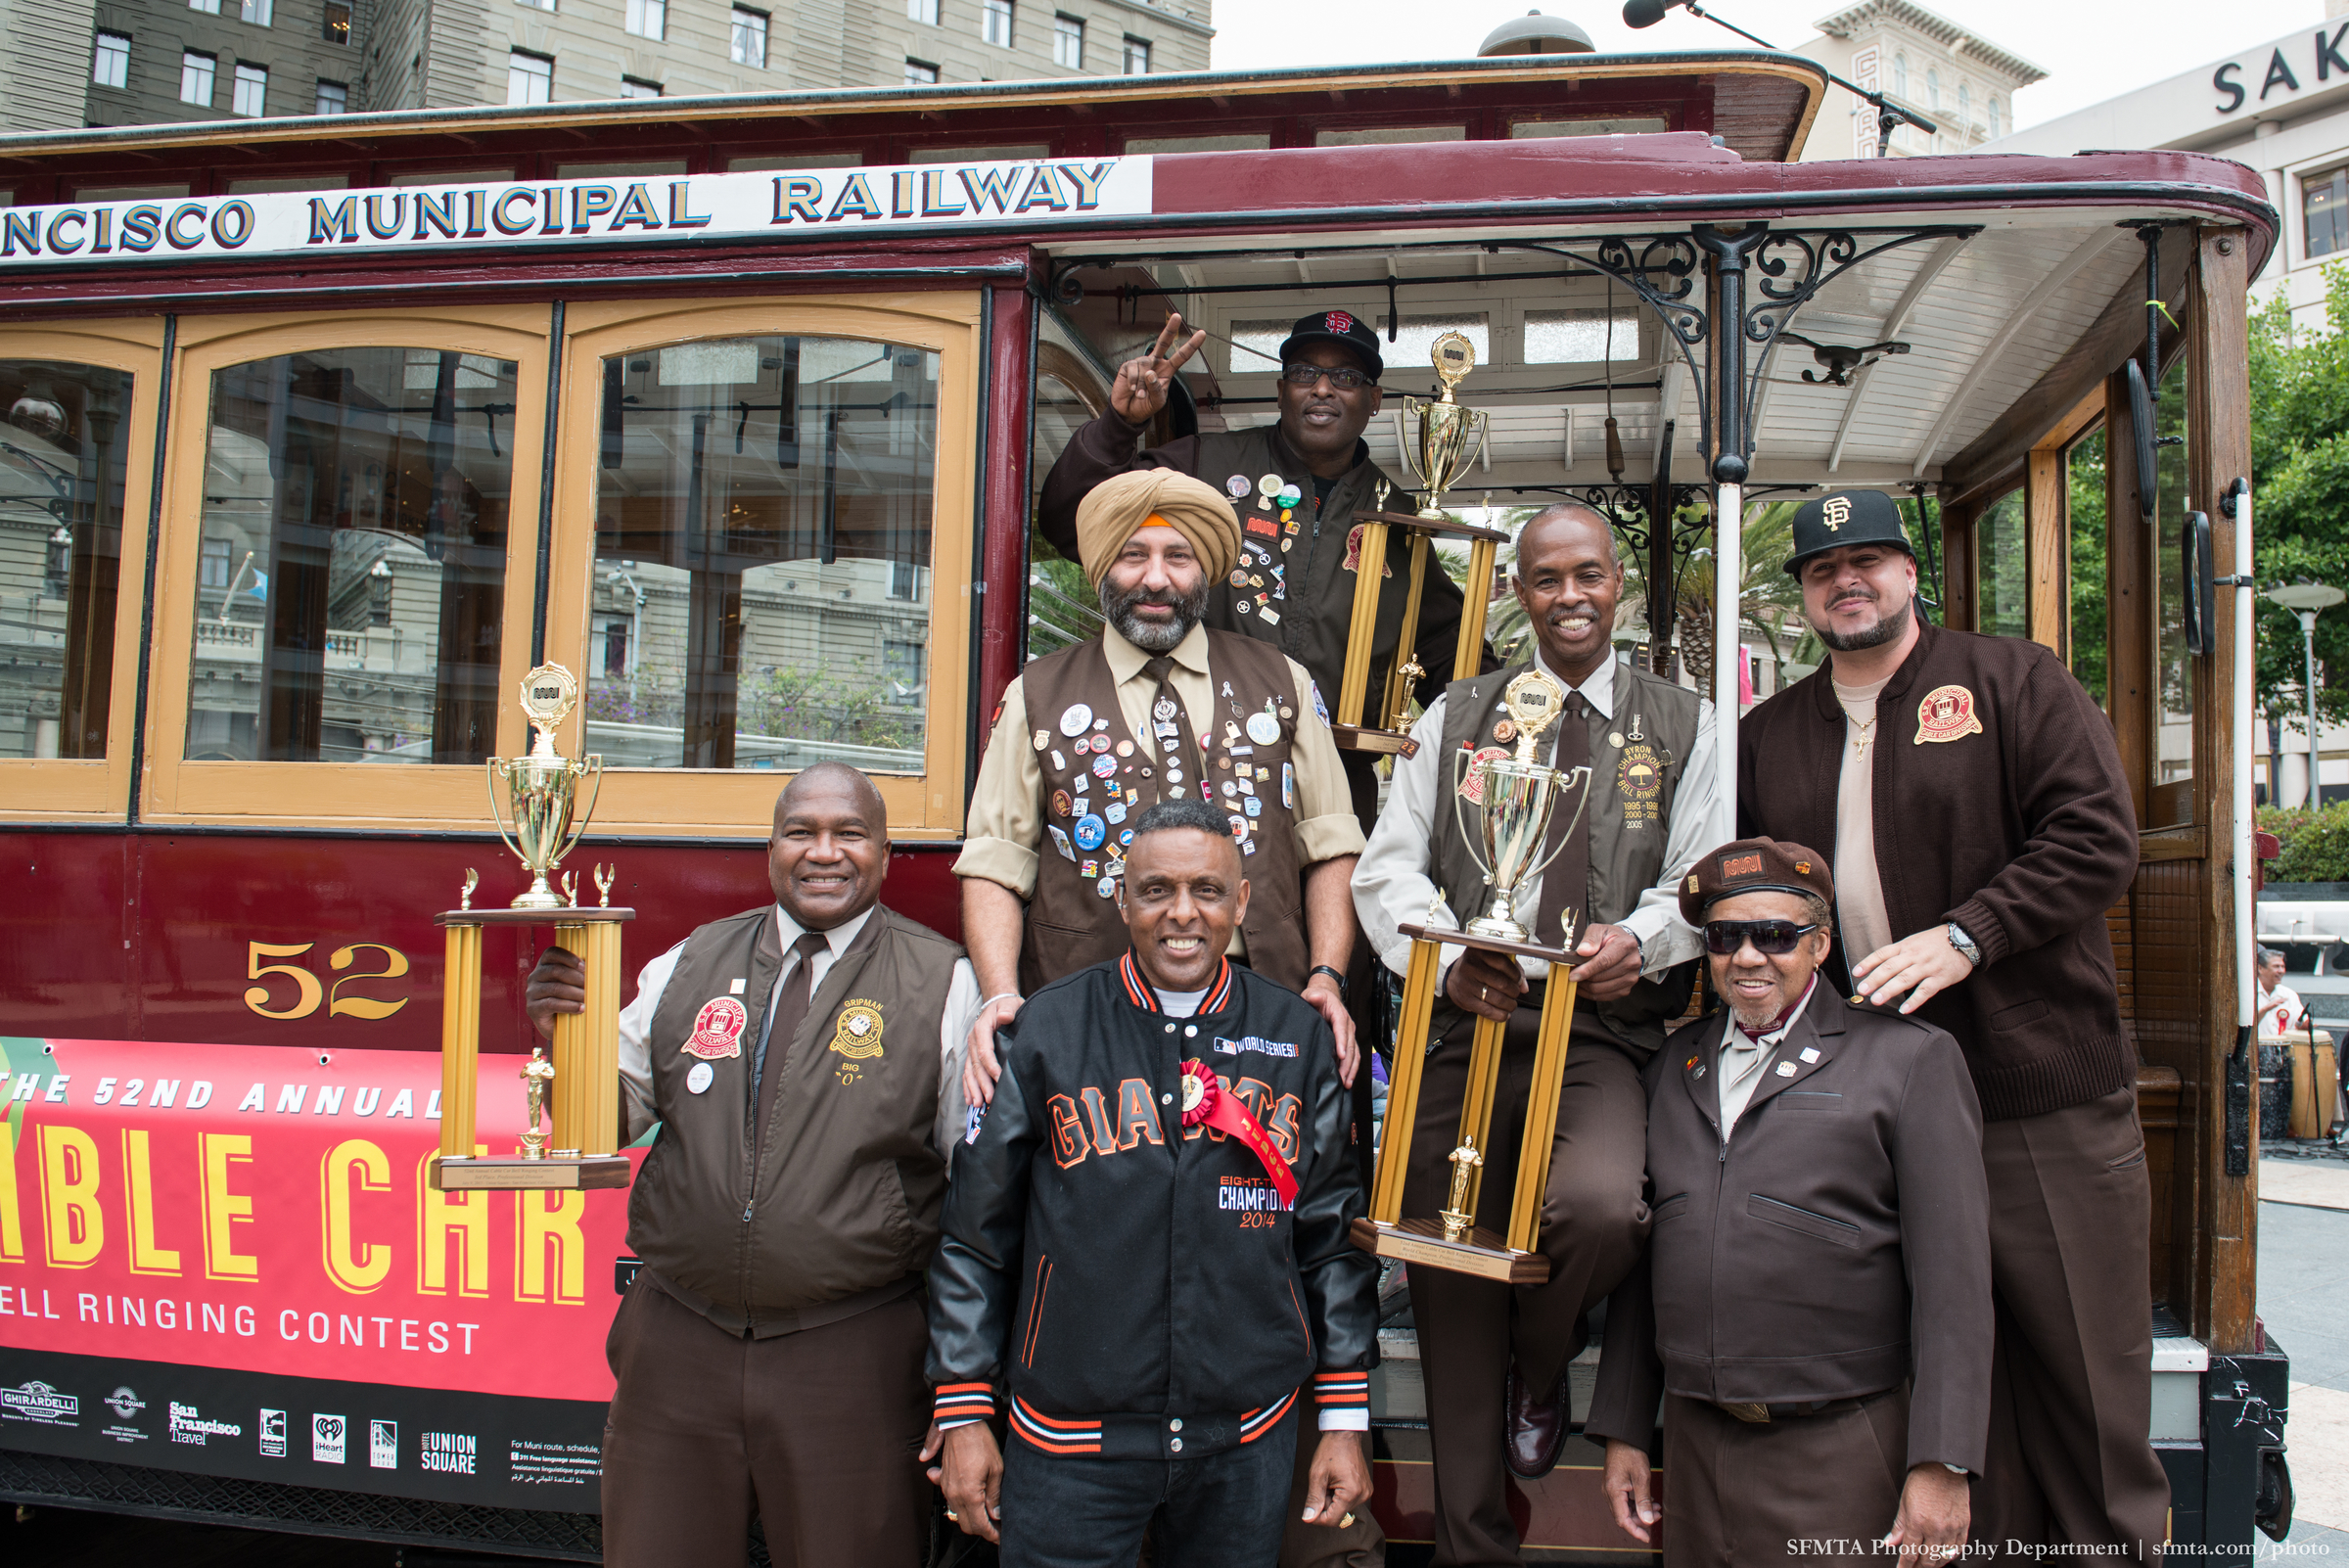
[
  {"x": 1297, "y": 486},
  {"x": 1813, "y": 1305},
  {"x": 1981, "y": 824}
]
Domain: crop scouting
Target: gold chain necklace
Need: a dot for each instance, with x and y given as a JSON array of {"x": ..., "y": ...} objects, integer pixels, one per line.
[{"x": 1868, "y": 731}]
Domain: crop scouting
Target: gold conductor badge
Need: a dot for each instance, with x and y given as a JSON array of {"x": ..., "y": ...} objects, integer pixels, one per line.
[{"x": 856, "y": 1036}]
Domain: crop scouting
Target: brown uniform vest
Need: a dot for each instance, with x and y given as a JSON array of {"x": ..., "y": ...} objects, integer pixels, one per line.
[
  {"x": 842, "y": 1201},
  {"x": 1629, "y": 818},
  {"x": 1073, "y": 918}
]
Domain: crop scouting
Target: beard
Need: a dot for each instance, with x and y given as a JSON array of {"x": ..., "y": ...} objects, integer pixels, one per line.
[
  {"x": 1886, "y": 629},
  {"x": 1156, "y": 637}
]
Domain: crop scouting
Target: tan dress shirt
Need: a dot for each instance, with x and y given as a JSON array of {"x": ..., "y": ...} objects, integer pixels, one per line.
[
  {"x": 1005, "y": 825},
  {"x": 1858, "y": 890}
]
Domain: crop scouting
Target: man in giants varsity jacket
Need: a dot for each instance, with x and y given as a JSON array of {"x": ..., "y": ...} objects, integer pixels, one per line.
[
  {"x": 1982, "y": 824},
  {"x": 804, "y": 1061},
  {"x": 1145, "y": 1253}
]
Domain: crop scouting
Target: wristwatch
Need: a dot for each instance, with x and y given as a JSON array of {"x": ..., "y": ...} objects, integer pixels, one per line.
[
  {"x": 1954, "y": 1469},
  {"x": 1965, "y": 945},
  {"x": 1337, "y": 977}
]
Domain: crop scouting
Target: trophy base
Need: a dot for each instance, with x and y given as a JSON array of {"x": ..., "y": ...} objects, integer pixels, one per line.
[
  {"x": 1484, "y": 1253},
  {"x": 1441, "y": 522},
  {"x": 1558, "y": 958},
  {"x": 512, "y": 1172},
  {"x": 1382, "y": 742}
]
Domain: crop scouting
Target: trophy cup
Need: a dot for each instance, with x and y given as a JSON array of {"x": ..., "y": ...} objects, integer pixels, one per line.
[
  {"x": 581, "y": 1085},
  {"x": 1517, "y": 797},
  {"x": 1445, "y": 428},
  {"x": 541, "y": 787}
]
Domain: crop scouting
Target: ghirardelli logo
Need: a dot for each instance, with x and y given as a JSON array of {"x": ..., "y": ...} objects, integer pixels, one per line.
[
  {"x": 125, "y": 1404},
  {"x": 37, "y": 1401}
]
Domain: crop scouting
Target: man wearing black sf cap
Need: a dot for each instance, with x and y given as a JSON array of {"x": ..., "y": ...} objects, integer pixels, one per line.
[
  {"x": 1987, "y": 919},
  {"x": 1297, "y": 486}
]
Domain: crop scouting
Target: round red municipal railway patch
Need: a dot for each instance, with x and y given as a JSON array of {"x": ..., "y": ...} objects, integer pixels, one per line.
[
  {"x": 1946, "y": 713},
  {"x": 717, "y": 1029}
]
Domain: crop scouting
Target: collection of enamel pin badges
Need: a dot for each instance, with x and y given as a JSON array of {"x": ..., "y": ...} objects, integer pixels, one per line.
[
  {"x": 1229, "y": 776},
  {"x": 1259, "y": 568}
]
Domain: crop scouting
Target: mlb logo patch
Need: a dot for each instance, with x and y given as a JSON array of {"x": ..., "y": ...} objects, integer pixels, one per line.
[{"x": 1338, "y": 321}]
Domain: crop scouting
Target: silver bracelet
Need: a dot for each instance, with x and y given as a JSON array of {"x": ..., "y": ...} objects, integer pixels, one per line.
[{"x": 1002, "y": 996}]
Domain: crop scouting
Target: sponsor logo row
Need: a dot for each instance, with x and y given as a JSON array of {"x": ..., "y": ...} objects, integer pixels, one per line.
[{"x": 332, "y": 1437}]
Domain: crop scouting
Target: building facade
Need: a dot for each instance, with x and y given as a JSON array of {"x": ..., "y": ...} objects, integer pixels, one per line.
[
  {"x": 68, "y": 62},
  {"x": 1922, "y": 60}
]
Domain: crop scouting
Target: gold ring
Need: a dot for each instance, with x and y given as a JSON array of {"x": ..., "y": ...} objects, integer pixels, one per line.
[
  {"x": 1346, "y": 1523},
  {"x": 1484, "y": 994},
  {"x": 956, "y": 1517}
]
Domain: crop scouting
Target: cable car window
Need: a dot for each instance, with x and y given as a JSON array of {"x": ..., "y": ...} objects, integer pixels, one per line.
[
  {"x": 62, "y": 466},
  {"x": 362, "y": 495},
  {"x": 763, "y": 517},
  {"x": 2002, "y": 567}
]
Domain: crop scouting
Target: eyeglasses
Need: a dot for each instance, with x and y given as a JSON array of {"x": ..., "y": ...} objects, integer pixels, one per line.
[
  {"x": 1773, "y": 936},
  {"x": 1343, "y": 379}
]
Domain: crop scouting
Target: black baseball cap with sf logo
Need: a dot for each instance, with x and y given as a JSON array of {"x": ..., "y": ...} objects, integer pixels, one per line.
[
  {"x": 1847, "y": 517},
  {"x": 1342, "y": 327}
]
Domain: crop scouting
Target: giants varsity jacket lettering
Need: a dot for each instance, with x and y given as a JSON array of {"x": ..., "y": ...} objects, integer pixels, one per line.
[{"x": 1131, "y": 1284}]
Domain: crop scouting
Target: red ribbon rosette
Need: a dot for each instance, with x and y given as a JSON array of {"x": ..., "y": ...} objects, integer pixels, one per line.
[{"x": 1205, "y": 1100}]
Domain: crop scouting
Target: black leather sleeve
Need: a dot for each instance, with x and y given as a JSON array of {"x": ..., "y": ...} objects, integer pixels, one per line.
[
  {"x": 1341, "y": 1280},
  {"x": 974, "y": 1279}
]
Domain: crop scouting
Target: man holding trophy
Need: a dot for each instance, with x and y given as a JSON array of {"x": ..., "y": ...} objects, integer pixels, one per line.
[{"x": 1609, "y": 895}]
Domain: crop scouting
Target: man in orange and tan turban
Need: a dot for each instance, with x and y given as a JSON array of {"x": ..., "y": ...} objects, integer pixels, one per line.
[{"x": 1155, "y": 707}]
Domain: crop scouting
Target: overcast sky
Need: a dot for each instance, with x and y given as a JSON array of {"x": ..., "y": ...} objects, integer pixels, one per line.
[{"x": 2091, "y": 49}]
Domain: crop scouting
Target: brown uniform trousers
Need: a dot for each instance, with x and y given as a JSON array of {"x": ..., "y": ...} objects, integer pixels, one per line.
[
  {"x": 1742, "y": 1492},
  {"x": 818, "y": 1434},
  {"x": 1593, "y": 1222},
  {"x": 2071, "y": 1379}
]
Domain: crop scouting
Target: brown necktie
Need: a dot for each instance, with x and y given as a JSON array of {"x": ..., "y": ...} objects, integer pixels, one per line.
[
  {"x": 1178, "y": 748},
  {"x": 1568, "y": 877},
  {"x": 791, "y": 1011}
]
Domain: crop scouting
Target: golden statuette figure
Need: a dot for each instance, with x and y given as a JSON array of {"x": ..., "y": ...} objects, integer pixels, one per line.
[
  {"x": 605, "y": 876},
  {"x": 473, "y": 880},
  {"x": 1457, "y": 1221},
  {"x": 537, "y": 1075}
]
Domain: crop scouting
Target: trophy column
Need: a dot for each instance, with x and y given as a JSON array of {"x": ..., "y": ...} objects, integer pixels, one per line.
[{"x": 1387, "y": 730}]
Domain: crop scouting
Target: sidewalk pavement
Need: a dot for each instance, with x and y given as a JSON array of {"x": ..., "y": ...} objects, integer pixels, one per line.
[{"x": 2304, "y": 1302}]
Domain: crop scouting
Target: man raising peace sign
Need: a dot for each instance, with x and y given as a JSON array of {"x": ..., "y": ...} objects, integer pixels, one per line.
[{"x": 1296, "y": 485}]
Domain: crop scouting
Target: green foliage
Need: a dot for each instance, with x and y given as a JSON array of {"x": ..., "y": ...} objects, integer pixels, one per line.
[
  {"x": 1062, "y": 607},
  {"x": 2316, "y": 844},
  {"x": 2300, "y": 468},
  {"x": 2084, "y": 466}
]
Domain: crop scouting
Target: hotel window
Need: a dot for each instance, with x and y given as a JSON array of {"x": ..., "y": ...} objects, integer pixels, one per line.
[
  {"x": 632, "y": 87},
  {"x": 111, "y": 65},
  {"x": 922, "y": 10},
  {"x": 338, "y": 21},
  {"x": 334, "y": 97},
  {"x": 994, "y": 23},
  {"x": 1995, "y": 128},
  {"x": 529, "y": 78},
  {"x": 537, "y": 5},
  {"x": 210, "y": 8},
  {"x": 251, "y": 95},
  {"x": 256, "y": 11},
  {"x": 211, "y": 564},
  {"x": 196, "y": 77},
  {"x": 2325, "y": 212},
  {"x": 1965, "y": 107},
  {"x": 1068, "y": 43},
  {"x": 648, "y": 19},
  {"x": 750, "y": 38},
  {"x": 920, "y": 74},
  {"x": 1137, "y": 57},
  {"x": 1933, "y": 90},
  {"x": 1900, "y": 75}
]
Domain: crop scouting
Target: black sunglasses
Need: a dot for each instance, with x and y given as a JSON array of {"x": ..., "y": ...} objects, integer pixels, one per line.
[
  {"x": 1343, "y": 379},
  {"x": 1773, "y": 937}
]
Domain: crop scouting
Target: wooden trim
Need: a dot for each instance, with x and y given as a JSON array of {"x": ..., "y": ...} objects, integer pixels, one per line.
[
  {"x": 671, "y": 801},
  {"x": 1961, "y": 571},
  {"x": 2048, "y": 552},
  {"x": 58, "y": 789},
  {"x": 2218, "y": 451},
  {"x": 347, "y": 795}
]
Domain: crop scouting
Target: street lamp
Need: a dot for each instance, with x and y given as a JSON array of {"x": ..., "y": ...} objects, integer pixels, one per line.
[{"x": 2306, "y": 599}]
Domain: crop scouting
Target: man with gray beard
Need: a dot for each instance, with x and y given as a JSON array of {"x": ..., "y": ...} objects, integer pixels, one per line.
[{"x": 1155, "y": 707}]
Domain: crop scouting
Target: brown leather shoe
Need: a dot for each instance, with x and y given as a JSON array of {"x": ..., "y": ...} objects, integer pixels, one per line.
[{"x": 1537, "y": 1427}]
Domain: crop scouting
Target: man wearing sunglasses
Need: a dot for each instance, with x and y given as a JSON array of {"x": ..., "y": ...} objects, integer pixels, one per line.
[
  {"x": 1296, "y": 485},
  {"x": 1814, "y": 1306},
  {"x": 1495, "y": 1358},
  {"x": 1982, "y": 824}
]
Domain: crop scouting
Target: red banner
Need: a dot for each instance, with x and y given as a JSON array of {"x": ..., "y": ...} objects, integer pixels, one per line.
[{"x": 264, "y": 1209}]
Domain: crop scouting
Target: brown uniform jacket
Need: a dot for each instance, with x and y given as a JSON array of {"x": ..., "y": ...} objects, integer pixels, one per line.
[
  {"x": 1316, "y": 605},
  {"x": 1836, "y": 1245},
  {"x": 2018, "y": 826}
]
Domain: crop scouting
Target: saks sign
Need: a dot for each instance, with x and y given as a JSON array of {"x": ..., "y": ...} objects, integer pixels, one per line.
[
  {"x": 2288, "y": 67},
  {"x": 572, "y": 212}
]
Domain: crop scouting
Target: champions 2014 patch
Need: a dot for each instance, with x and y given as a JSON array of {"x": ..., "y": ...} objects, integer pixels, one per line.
[{"x": 1253, "y": 1042}]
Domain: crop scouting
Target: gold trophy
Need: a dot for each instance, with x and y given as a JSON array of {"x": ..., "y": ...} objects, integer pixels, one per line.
[
  {"x": 581, "y": 1085},
  {"x": 1445, "y": 428},
  {"x": 1517, "y": 797},
  {"x": 542, "y": 787}
]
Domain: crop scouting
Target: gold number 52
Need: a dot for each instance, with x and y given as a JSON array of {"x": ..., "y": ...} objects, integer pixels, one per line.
[
  {"x": 308, "y": 992},
  {"x": 396, "y": 965}
]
